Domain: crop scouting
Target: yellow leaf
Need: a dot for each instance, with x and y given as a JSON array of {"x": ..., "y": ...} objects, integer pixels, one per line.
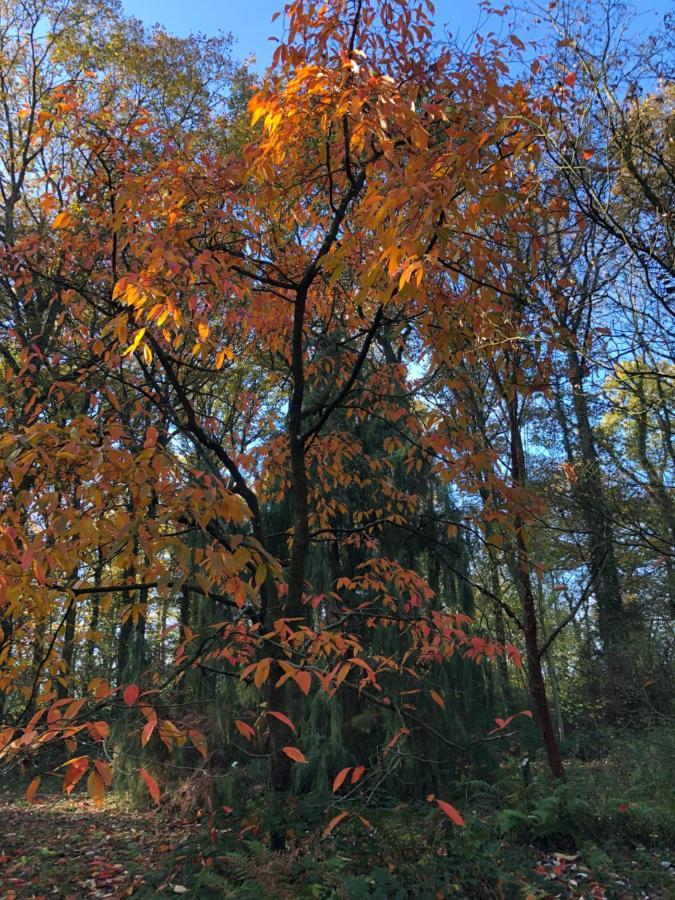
[
  {"x": 138, "y": 337},
  {"x": 96, "y": 788},
  {"x": 260, "y": 575},
  {"x": 258, "y": 113}
]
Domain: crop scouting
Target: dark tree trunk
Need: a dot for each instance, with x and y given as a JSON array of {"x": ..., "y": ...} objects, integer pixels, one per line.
[
  {"x": 522, "y": 575},
  {"x": 63, "y": 683}
]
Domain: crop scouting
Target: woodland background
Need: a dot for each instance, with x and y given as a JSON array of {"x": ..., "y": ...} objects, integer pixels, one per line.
[{"x": 336, "y": 461}]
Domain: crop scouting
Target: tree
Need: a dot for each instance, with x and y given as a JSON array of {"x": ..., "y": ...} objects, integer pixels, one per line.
[{"x": 276, "y": 335}]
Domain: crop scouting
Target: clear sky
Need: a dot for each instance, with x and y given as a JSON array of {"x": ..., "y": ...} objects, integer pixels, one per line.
[{"x": 250, "y": 20}]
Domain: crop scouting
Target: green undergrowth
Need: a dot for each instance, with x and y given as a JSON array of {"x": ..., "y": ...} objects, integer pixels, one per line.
[{"x": 604, "y": 833}]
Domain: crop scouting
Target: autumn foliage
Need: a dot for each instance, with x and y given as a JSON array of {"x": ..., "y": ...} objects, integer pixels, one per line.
[{"x": 244, "y": 347}]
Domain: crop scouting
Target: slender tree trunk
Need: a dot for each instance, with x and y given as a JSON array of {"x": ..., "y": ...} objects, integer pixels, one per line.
[
  {"x": 523, "y": 579},
  {"x": 591, "y": 496},
  {"x": 282, "y": 697},
  {"x": 500, "y": 625},
  {"x": 6, "y": 635},
  {"x": 94, "y": 620},
  {"x": 661, "y": 493},
  {"x": 63, "y": 683}
]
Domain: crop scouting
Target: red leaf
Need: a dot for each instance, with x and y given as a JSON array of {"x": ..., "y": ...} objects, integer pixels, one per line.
[
  {"x": 148, "y": 728},
  {"x": 357, "y": 773},
  {"x": 244, "y": 729},
  {"x": 450, "y": 811},
  {"x": 131, "y": 692},
  {"x": 294, "y": 754},
  {"x": 396, "y": 738},
  {"x": 76, "y": 769},
  {"x": 569, "y": 79},
  {"x": 99, "y": 731},
  {"x": 281, "y": 717},
  {"x": 151, "y": 783},
  {"x": 339, "y": 779}
]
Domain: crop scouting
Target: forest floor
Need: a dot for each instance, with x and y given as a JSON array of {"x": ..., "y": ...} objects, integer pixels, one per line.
[{"x": 68, "y": 848}]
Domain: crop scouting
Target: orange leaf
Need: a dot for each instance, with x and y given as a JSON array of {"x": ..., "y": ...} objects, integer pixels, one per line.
[
  {"x": 294, "y": 754},
  {"x": 146, "y": 734},
  {"x": 76, "y": 769},
  {"x": 150, "y": 439},
  {"x": 244, "y": 729},
  {"x": 436, "y": 697},
  {"x": 333, "y": 822},
  {"x": 131, "y": 692},
  {"x": 63, "y": 220},
  {"x": 262, "y": 672},
  {"x": 396, "y": 738},
  {"x": 282, "y": 718},
  {"x": 304, "y": 681},
  {"x": 102, "y": 690},
  {"x": 99, "y": 731},
  {"x": 357, "y": 773},
  {"x": 199, "y": 742},
  {"x": 450, "y": 811},
  {"x": 339, "y": 779},
  {"x": 32, "y": 789},
  {"x": 151, "y": 783},
  {"x": 104, "y": 771},
  {"x": 73, "y": 709}
]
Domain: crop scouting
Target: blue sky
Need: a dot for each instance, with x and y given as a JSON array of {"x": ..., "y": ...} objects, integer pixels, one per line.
[{"x": 250, "y": 20}]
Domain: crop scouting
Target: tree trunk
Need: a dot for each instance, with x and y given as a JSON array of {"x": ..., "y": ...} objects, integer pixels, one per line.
[
  {"x": 522, "y": 576},
  {"x": 63, "y": 683},
  {"x": 591, "y": 497}
]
